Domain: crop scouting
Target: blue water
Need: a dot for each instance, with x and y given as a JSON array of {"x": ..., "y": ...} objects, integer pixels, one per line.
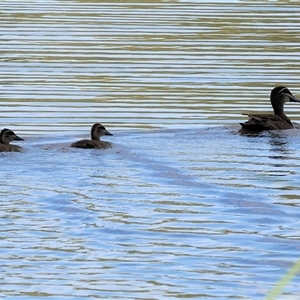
[
  {"x": 162, "y": 214},
  {"x": 182, "y": 206}
]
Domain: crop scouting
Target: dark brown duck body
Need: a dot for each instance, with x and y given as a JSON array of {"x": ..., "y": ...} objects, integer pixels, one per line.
[
  {"x": 7, "y": 136},
  {"x": 259, "y": 122},
  {"x": 97, "y": 131}
]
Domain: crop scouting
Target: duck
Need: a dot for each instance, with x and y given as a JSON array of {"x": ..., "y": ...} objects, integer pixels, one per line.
[
  {"x": 7, "y": 136},
  {"x": 261, "y": 122},
  {"x": 97, "y": 131}
]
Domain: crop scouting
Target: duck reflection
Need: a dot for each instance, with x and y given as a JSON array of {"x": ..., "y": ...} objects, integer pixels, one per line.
[{"x": 279, "y": 143}]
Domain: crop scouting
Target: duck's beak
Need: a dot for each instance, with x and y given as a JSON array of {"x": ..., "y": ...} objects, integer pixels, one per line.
[
  {"x": 108, "y": 133},
  {"x": 17, "y": 138},
  {"x": 293, "y": 98}
]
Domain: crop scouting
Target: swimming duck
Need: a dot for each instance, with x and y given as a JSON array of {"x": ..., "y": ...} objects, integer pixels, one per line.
[
  {"x": 97, "y": 131},
  {"x": 7, "y": 136},
  {"x": 258, "y": 122}
]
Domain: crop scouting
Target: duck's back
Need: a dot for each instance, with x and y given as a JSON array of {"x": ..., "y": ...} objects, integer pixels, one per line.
[
  {"x": 91, "y": 144},
  {"x": 259, "y": 122},
  {"x": 9, "y": 148},
  {"x": 85, "y": 144}
]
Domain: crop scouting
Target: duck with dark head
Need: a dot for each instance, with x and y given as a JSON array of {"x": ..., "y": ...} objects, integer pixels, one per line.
[
  {"x": 7, "y": 136},
  {"x": 97, "y": 131},
  {"x": 259, "y": 122}
]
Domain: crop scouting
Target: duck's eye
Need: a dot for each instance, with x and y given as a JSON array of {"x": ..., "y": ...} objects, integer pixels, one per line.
[
  {"x": 285, "y": 90},
  {"x": 8, "y": 134}
]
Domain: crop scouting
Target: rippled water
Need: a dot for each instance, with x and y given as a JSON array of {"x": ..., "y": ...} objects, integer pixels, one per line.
[{"x": 182, "y": 205}]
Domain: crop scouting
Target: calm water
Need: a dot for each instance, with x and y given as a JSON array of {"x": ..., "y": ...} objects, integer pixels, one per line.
[{"x": 182, "y": 206}]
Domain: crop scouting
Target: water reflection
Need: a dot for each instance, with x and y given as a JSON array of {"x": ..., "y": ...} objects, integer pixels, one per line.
[
  {"x": 154, "y": 67},
  {"x": 279, "y": 142}
]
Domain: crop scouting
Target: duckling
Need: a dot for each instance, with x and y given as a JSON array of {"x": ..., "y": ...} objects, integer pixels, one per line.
[
  {"x": 6, "y": 136},
  {"x": 258, "y": 122},
  {"x": 97, "y": 131}
]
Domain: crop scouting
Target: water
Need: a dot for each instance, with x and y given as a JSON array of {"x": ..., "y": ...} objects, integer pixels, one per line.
[{"x": 182, "y": 205}]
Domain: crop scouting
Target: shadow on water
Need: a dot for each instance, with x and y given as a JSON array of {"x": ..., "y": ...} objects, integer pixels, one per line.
[{"x": 214, "y": 161}]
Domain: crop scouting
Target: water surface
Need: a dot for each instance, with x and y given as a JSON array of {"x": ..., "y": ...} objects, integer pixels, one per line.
[{"x": 182, "y": 205}]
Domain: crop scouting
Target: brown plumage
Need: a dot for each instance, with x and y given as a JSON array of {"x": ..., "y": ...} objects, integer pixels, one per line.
[
  {"x": 97, "y": 131},
  {"x": 258, "y": 122},
  {"x": 7, "y": 136}
]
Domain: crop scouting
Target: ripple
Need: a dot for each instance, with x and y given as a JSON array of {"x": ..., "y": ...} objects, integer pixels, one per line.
[{"x": 182, "y": 206}]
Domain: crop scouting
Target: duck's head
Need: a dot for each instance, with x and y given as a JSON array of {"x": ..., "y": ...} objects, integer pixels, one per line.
[
  {"x": 7, "y": 136},
  {"x": 98, "y": 130},
  {"x": 279, "y": 96}
]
